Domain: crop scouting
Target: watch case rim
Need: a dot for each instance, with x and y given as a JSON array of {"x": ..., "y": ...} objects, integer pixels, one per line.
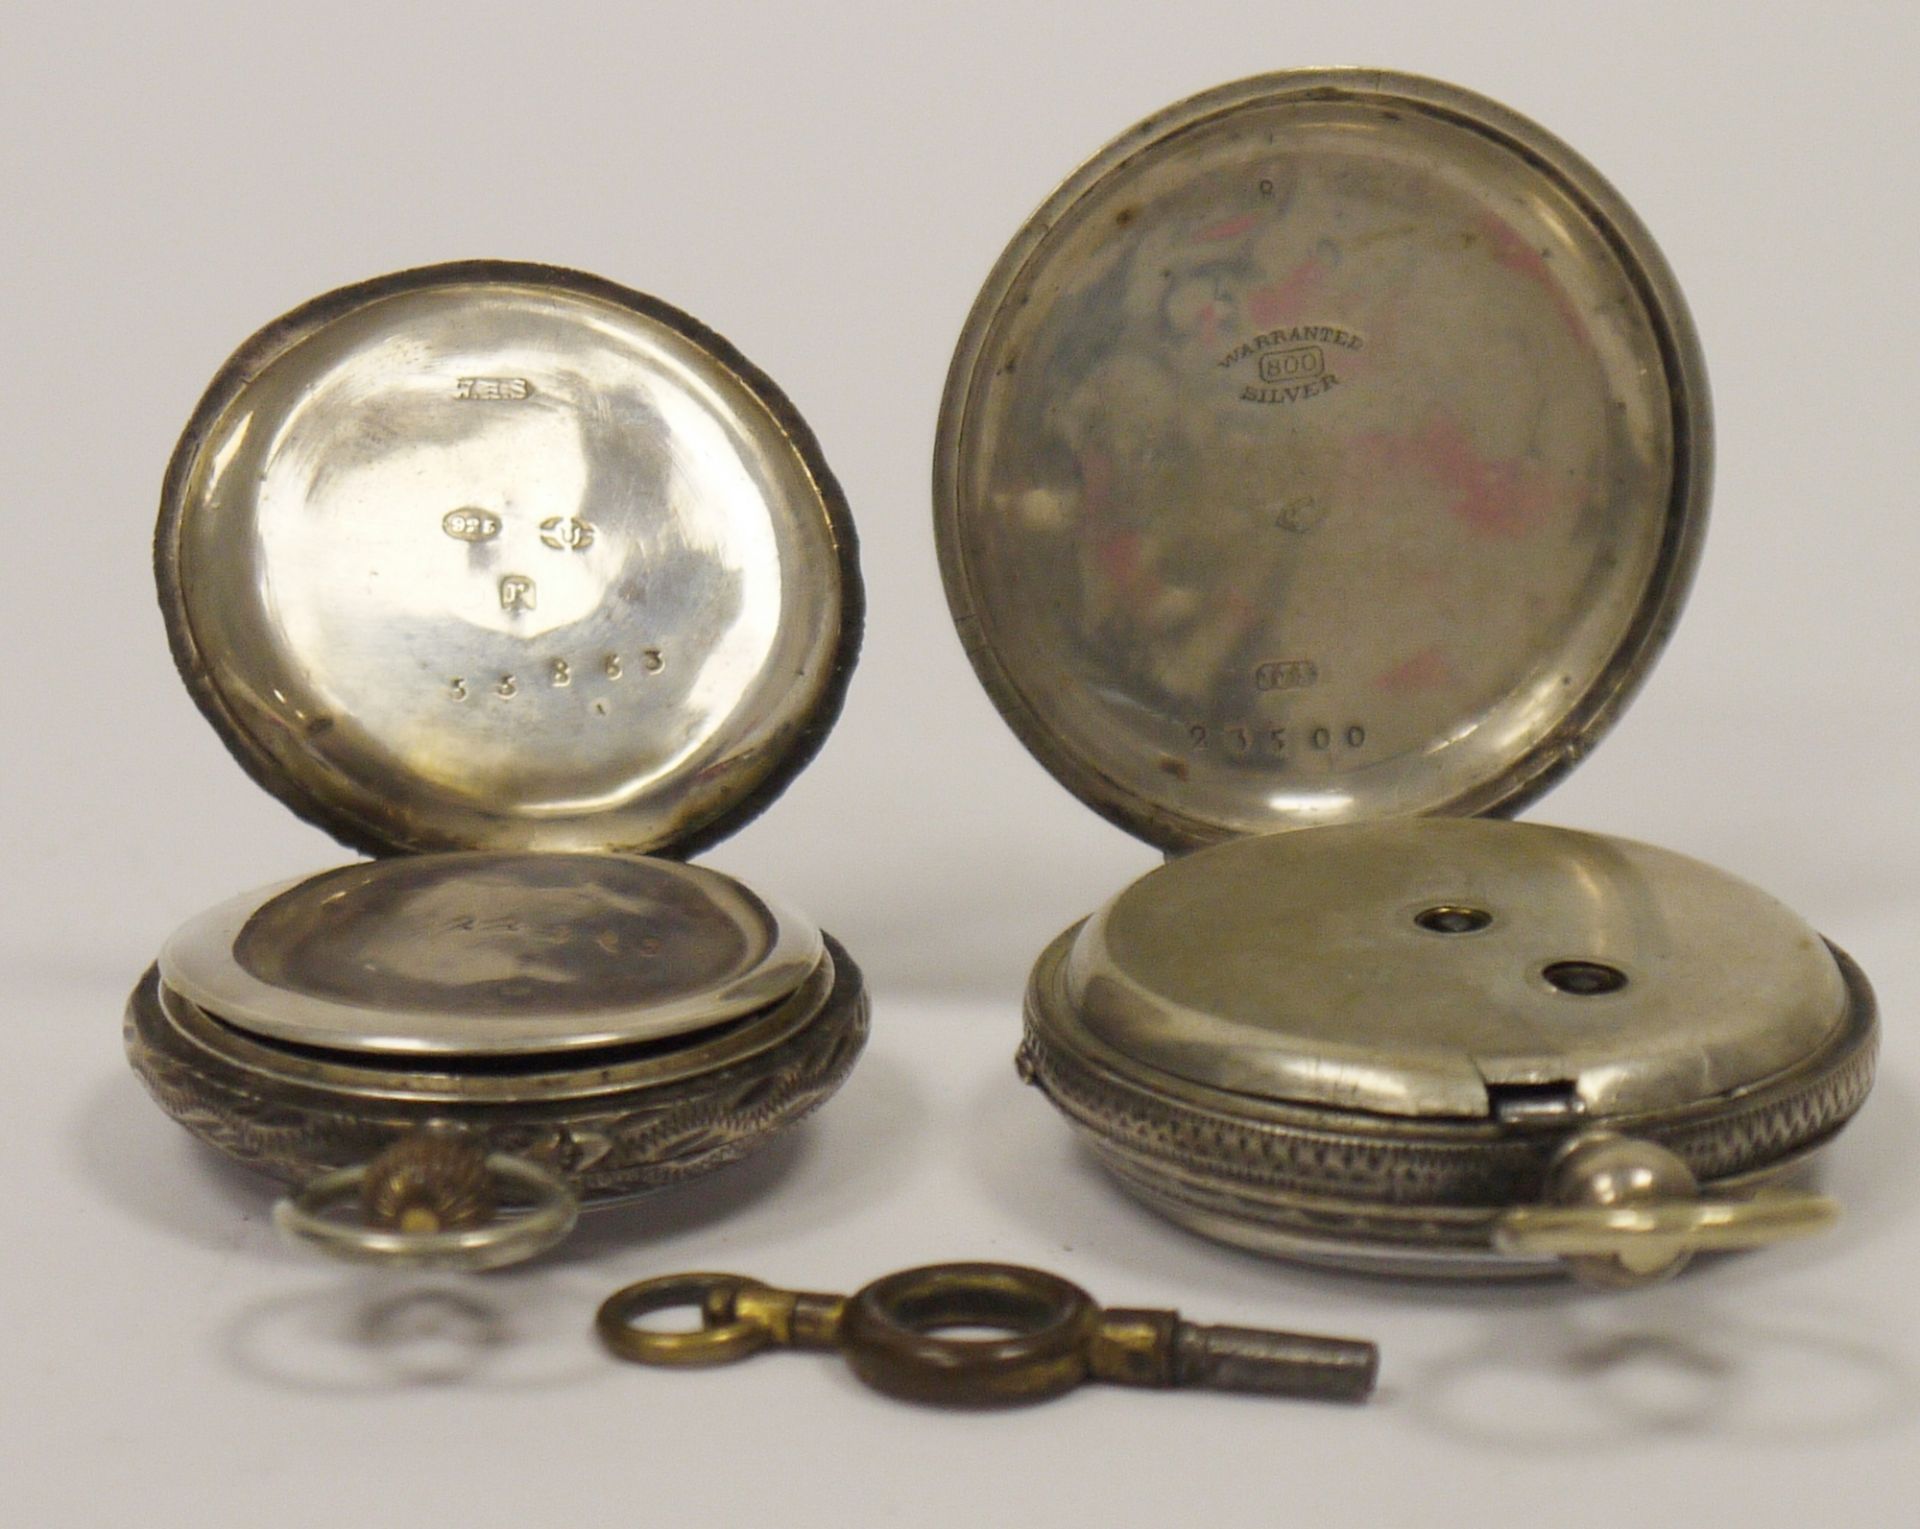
[
  {"x": 612, "y": 1130},
  {"x": 1212, "y": 1159}
]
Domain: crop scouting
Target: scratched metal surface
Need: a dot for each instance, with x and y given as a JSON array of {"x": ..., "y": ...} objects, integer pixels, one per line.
[
  {"x": 491, "y": 953},
  {"x": 829, "y": 187},
  {"x": 502, "y": 556},
  {"x": 1330, "y": 447},
  {"x": 1296, "y": 967}
]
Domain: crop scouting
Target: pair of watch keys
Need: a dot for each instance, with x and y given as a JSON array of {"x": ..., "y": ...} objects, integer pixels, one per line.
[{"x": 1320, "y": 472}]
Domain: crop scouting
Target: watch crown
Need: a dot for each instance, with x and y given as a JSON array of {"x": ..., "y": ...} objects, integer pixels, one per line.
[{"x": 432, "y": 1180}]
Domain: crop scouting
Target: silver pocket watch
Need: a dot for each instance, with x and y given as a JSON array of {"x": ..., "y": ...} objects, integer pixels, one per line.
[
  {"x": 530, "y": 587},
  {"x": 1320, "y": 472}
]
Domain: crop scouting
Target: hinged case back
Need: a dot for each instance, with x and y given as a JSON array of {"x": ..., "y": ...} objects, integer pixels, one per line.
[
  {"x": 503, "y": 556},
  {"x": 1332, "y": 446}
]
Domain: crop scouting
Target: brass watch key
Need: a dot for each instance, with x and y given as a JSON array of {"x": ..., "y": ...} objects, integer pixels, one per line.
[{"x": 1047, "y": 1336}]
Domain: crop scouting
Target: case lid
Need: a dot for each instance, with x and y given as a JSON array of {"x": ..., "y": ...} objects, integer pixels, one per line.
[
  {"x": 1332, "y": 446},
  {"x": 491, "y": 954},
  {"x": 503, "y": 556}
]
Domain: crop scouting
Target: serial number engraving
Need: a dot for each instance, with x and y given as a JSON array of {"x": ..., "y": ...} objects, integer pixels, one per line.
[
  {"x": 560, "y": 674},
  {"x": 1274, "y": 742},
  {"x": 493, "y": 389}
]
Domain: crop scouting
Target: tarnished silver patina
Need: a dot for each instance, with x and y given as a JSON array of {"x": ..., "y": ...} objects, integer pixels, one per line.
[
  {"x": 474, "y": 565},
  {"x": 498, "y": 556},
  {"x": 1331, "y": 454},
  {"x": 1376, "y": 1042},
  {"x": 490, "y": 953}
]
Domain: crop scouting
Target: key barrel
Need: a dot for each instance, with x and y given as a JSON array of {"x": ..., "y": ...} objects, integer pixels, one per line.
[
  {"x": 1133, "y": 1347},
  {"x": 1278, "y": 1364}
]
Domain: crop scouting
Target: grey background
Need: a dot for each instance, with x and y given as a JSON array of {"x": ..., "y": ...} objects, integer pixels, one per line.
[{"x": 827, "y": 185}]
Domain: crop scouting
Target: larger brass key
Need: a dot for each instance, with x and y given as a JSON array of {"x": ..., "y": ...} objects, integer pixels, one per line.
[{"x": 1046, "y": 1336}]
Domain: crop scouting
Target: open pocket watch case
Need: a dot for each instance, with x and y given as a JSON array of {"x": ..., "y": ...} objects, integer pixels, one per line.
[
  {"x": 1320, "y": 472},
  {"x": 530, "y": 586}
]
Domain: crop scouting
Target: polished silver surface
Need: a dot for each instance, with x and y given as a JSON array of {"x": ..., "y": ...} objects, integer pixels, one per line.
[
  {"x": 505, "y": 557},
  {"x": 491, "y": 954},
  {"x": 1409, "y": 968},
  {"x": 1332, "y": 446}
]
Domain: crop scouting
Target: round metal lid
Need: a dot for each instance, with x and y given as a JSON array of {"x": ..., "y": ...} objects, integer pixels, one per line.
[
  {"x": 1456, "y": 968},
  {"x": 503, "y": 556},
  {"x": 1333, "y": 445},
  {"x": 491, "y": 954}
]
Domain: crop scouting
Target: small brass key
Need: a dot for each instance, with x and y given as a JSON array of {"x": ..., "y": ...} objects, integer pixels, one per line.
[{"x": 1049, "y": 1336}]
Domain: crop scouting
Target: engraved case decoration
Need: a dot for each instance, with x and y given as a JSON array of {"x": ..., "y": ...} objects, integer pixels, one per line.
[
  {"x": 530, "y": 586},
  {"x": 1320, "y": 472}
]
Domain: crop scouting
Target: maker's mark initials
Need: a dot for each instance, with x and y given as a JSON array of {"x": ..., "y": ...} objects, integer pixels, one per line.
[
  {"x": 492, "y": 389},
  {"x": 517, "y": 593},
  {"x": 566, "y": 533},
  {"x": 1286, "y": 674}
]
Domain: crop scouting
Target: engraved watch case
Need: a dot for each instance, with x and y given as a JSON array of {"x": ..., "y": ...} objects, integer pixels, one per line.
[
  {"x": 529, "y": 586},
  {"x": 1319, "y": 474}
]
